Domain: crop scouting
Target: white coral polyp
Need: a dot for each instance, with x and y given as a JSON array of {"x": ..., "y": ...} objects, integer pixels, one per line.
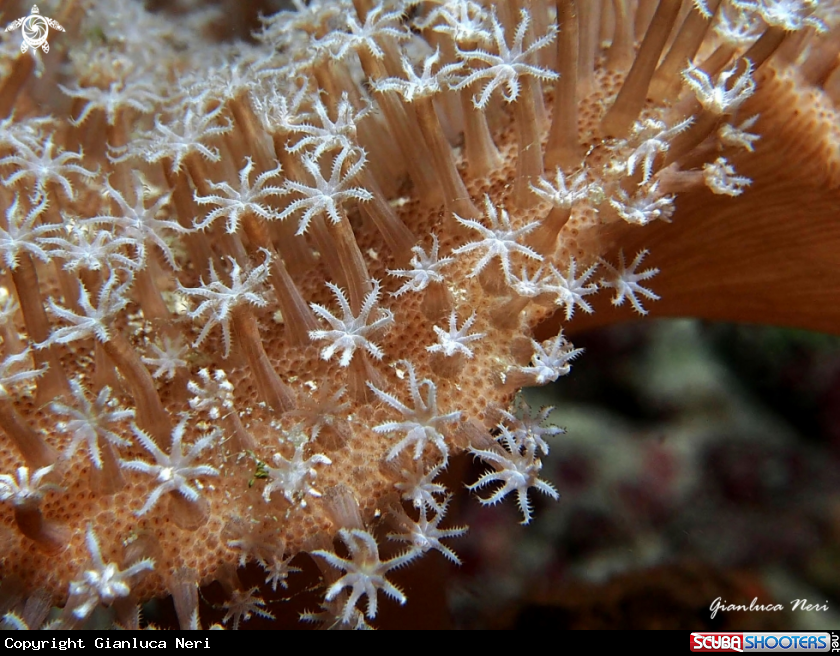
[{"x": 351, "y": 331}]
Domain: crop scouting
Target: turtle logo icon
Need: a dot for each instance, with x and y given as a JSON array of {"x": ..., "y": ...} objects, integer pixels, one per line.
[{"x": 35, "y": 29}]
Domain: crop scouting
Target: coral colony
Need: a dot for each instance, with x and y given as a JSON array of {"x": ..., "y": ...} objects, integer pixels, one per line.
[{"x": 255, "y": 296}]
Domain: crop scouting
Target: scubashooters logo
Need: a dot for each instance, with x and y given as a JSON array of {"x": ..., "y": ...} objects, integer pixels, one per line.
[
  {"x": 35, "y": 29},
  {"x": 761, "y": 642}
]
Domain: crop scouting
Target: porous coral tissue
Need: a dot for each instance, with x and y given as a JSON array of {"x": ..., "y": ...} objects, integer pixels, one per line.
[{"x": 256, "y": 295}]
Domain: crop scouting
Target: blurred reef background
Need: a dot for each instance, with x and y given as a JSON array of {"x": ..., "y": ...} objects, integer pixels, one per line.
[{"x": 700, "y": 461}]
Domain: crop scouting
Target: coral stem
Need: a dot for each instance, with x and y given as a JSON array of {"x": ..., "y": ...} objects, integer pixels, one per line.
[
  {"x": 760, "y": 51},
  {"x": 32, "y": 447},
  {"x": 631, "y": 98},
  {"x": 666, "y": 83},
  {"x": 297, "y": 315},
  {"x": 49, "y": 536},
  {"x": 529, "y": 162},
  {"x": 151, "y": 415},
  {"x": 455, "y": 193},
  {"x": 272, "y": 390},
  {"x": 54, "y": 381},
  {"x": 563, "y": 149}
]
